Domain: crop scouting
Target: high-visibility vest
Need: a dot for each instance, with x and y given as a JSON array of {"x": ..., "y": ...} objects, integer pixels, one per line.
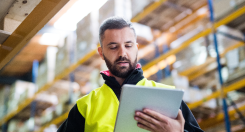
[{"x": 100, "y": 106}]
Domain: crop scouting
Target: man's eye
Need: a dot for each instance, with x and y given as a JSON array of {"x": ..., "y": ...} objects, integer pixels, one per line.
[
  {"x": 113, "y": 47},
  {"x": 128, "y": 46}
]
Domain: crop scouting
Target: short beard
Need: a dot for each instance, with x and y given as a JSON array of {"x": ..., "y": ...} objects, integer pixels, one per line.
[{"x": 122, "y": 72}]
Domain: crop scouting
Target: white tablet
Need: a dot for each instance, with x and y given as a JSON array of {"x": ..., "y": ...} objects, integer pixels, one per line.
[{"x": 163, "y": 100}]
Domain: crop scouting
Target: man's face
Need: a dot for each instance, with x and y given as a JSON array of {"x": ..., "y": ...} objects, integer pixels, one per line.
[{"x": 119, "y": 51}]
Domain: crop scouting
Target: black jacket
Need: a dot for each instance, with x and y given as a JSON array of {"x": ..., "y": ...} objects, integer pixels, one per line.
[{"x": 75, "y": 121}]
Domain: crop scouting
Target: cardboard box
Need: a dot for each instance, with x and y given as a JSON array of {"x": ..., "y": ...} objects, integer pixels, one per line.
[
  {"x": 19, "y": 91},
  {"x": 139, "y": 5},
  {"x": 120, "y": 8},
  {"x": 242, "y": 53},
  {"x": 42, "y": 75},
  {"x": 59, "y": 110},
  {"x": 224, "y": 7},
  {"x": 46, "y": 117},
  {"x": 1, "y": 111},
  {"x": 12, "y": 127}
]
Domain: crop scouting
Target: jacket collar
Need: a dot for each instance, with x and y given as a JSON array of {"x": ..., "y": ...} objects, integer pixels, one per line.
[
  {"x": 107, "y": 72},
  {"x": 133, "y": 78}
]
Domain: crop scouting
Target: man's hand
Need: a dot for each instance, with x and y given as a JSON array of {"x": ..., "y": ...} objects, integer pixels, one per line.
[{"x": 156, "y": 122}]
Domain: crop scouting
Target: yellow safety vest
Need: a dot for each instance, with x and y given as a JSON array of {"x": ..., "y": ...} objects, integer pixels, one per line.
[{"x": 100, "y": 106}]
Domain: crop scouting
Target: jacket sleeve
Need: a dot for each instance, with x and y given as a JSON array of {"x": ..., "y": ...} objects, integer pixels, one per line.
[
  {"x": 74, "y": 123},
  {"x": 191, "y": 124}
]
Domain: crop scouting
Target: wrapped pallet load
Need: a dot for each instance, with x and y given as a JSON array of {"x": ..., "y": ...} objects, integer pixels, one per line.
[
  {"x": 87, "y": 34},
  {"x": 4, "y": 94},
  {"x": 19, "y": 91},
  {"x": 46, "y": 72},
  {"x": 65, "y": 54}
]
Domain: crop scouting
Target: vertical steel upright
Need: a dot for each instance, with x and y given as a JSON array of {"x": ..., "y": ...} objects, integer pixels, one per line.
[
  {"x": 72, "y": 79},
  {"x": 225, "y": 109},
  {"x": 5, "y": 126},
  {"x": 167, "y": 69},
  {"x": 157, "y": 54},
  {"x": 35, "y": 66},
  {"x": 5, "y": 111}
]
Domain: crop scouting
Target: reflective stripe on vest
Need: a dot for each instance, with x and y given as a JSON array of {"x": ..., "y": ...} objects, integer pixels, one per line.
[{"x": 100, "y": 106}]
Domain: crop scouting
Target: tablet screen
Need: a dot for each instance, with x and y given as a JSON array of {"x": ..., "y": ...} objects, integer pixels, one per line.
[{"x": 135, "y": 98}]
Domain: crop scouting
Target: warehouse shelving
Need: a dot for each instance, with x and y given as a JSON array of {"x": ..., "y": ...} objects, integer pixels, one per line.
[
  {"x": 225, "y": 20},
  {"x": 220, "y": 118},
  {"x": 196, "y": 71},
  {"x": 48, "y": 85},
  {"x": 235, "y": 86},
  {"x": 227, "y": 89},
  {"x": 55, "y": 121},
  {"x": 147, "y": 10},
  {"x": 184, "y": 45},
  {"x": 71, "y": 68},
  {"x": 203, "y": 124}
]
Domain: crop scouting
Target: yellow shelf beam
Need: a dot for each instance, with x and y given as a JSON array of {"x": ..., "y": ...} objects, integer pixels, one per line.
[
  {"x": 199, "y": 72},
  {"x": 56, "y": 121},
  {"x": 177, "y": 50},
  {"x": 147, "y": 11},
  {"x": 223, "y": 21},
  {"x": 220, "y": 118},
  {"x": 68, "y": 70},
  {"x": 235, "y": 86},
  {"x": 41, "y": 14},
  {"x": 47, "y": 86},
  {"x": 196, "y": 71},
  {"x": 241, "y": 130}
]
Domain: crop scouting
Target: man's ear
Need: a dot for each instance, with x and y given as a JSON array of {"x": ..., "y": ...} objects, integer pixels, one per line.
[
  {"x": 100, "y": 53},
  {"x": 137, "y": 45}
]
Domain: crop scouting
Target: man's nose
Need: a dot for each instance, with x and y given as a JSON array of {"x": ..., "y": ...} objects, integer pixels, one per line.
[{"x": 122, "y": 51}]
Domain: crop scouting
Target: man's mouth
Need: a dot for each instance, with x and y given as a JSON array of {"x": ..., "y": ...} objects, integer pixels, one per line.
[{"x": 123, "y": 63}]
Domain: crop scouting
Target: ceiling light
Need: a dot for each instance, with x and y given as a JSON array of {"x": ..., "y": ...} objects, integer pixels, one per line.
[
  {"x": 49, "y": 39},
  {"x": 76, "y": 13},
  {"x": 172, "y": 29},
  {"x": 202, "y": 11}
]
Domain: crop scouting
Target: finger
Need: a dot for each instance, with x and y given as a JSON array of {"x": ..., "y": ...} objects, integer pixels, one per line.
[
  {"x": 156, "y": 115},
  {"x": 180, "y": 116},
  {"x": 144, "y": 127},
  {"x": 147, "y": 118},
  {"x": 145, "y": 122}
]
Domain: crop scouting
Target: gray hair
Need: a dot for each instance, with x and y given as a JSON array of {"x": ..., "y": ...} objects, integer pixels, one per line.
[{"x": 114, "y": 22}]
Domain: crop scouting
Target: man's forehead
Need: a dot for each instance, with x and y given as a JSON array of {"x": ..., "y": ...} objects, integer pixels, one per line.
[
  {"x": 116, "y": 34},
  {"x": 125, "y": 29}
]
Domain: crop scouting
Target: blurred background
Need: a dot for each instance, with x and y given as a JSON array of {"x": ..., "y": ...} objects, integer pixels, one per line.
[{"x": 49, "y": 59}]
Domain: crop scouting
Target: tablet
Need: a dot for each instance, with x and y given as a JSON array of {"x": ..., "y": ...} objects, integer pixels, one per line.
[{"x": 163, "y": 100}]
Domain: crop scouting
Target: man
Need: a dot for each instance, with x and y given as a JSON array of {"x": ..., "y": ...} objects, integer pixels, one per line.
[{"x": 96, "y": 112}]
